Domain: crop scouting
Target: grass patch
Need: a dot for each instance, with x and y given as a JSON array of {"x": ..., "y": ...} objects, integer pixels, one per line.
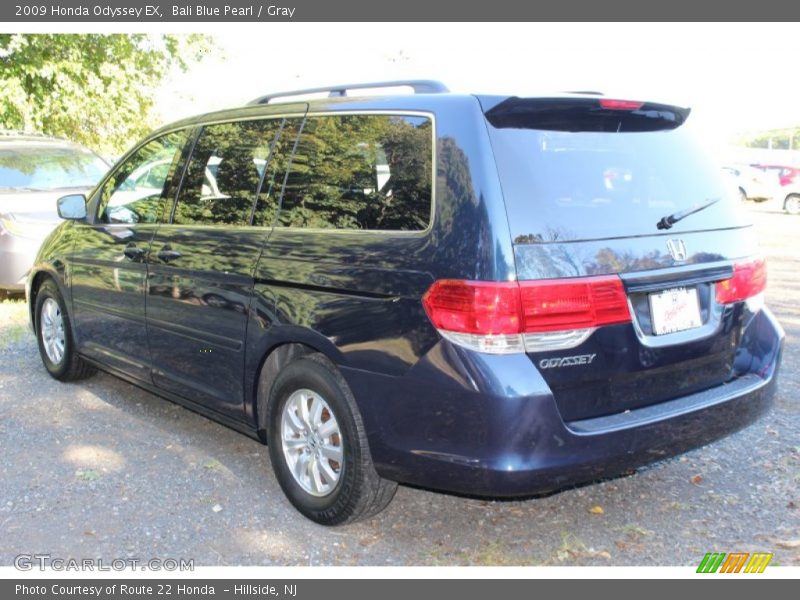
[
  {"x": 13, "y": 322},
  {"x": 88, "y": 475}
]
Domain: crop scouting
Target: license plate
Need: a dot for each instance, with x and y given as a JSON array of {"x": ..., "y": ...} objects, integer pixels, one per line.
[{"x": 674, "y": 310}]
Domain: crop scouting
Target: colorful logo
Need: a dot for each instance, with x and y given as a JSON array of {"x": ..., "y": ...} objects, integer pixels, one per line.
[{"x": 736, "y": 562}]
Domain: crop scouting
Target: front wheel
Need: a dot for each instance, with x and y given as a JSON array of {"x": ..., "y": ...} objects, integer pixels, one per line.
[
  {"x": 792, "y": 204},
  {"x": 318, "y": 446},
  {"x": 54, "y": 335}
]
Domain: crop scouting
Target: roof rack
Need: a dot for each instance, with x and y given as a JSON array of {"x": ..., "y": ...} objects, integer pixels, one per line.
[{"x": 420, "y": 86}]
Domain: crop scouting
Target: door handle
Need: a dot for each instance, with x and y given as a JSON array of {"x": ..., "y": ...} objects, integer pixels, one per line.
[
  {"x": 167, "y": 254},
  {"x": 133, "y": 253}
]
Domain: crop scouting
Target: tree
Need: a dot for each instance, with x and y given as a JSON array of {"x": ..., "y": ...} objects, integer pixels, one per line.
[
  {"x": 91, "y": 88},
  {"x": 776, "y": 139}
]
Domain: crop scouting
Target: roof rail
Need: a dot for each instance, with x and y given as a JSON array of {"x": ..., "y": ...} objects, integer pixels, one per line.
[{"x": 420, "y": 86}]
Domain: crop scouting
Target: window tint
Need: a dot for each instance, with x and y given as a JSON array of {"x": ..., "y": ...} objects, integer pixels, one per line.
[
  {"x": 278, "y": 163},
  {"x": 566, "y": 186},
  {"x": 136, "y": 190},
  {"x": 224, "y": 172},
  {"x": 360, "y": 172}
]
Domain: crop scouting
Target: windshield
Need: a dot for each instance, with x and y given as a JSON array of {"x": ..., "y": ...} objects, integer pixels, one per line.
[
  {"x": 567, "y": 186},
  {"x": 41, "y": 168}
]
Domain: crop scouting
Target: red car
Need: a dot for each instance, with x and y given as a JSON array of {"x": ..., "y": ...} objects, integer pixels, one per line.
[{"x": 786, "y": 175}]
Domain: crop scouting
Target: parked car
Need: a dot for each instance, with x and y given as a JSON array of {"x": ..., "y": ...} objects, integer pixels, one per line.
[
  {"x": 489, "y": 295},
  {"x": 788, "y": 192},
  {"x": 752, "y": 183},
  {"x": 35, "y": 171},
  {"x": 791, "y": 197},
  {"x": 789, "y": 175},
  {"x": 785, "y": 175}
]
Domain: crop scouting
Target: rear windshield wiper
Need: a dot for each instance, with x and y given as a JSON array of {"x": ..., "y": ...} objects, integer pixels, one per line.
[{"x": 670, "y": 220}]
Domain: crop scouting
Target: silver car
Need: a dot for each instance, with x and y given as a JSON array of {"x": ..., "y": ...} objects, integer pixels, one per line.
[{"x": 35, "y": 171}]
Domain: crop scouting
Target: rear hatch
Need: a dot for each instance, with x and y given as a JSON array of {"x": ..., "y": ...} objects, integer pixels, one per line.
[{"x": 627, "y": 243}]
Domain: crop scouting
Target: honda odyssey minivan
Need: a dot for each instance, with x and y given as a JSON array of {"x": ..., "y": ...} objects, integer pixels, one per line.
[{"x": 487, "y": 295}]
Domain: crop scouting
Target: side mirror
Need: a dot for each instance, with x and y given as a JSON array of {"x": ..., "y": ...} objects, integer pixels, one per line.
[{"x": 72, "y": 207}]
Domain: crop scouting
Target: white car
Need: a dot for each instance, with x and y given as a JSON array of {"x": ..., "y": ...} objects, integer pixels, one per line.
[
  {"x": 753, "y": 184},
  {"x": 790, "y": 196}
]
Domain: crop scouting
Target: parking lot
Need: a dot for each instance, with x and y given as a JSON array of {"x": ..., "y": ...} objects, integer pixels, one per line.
[{"x": 103, "y": 469}]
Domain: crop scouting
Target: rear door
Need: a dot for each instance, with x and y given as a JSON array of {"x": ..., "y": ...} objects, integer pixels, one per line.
[
  {"x": 614, "y": 190},
  {"x": 201, "y": 264},
  {"x": 344, "y": 258},
  {"x": 108, "y": 271}
]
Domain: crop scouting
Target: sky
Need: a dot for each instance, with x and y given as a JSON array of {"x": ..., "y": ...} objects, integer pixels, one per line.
[{"x": 735, "y": 77}]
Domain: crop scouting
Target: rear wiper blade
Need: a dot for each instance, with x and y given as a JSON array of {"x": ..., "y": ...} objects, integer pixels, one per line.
[{"x": 670, "y": 220}]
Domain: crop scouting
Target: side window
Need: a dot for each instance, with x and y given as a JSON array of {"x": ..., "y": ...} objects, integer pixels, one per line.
[
  {"x": 369, "y": 172},
  {"x": 226, "y": 168},
  {"x": 278, "y": 163},
  {"x": 135, "y": 193}
]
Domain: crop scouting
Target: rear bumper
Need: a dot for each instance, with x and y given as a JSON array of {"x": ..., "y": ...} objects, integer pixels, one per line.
[{"x": 434, "y": 429}]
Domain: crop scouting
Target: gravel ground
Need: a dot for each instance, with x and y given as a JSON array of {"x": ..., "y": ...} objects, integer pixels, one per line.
[{"x": 103, "y": 469}]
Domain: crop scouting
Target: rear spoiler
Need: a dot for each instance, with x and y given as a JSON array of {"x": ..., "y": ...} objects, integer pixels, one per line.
[{"x": 585, "y": 114}]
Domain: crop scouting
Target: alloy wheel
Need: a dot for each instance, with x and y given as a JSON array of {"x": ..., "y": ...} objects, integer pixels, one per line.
[
  {"x": 312, "y": 442},
  {"x": 52, "y": 324}
]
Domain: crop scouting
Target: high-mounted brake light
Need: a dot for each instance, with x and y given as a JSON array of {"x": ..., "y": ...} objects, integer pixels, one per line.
[
  {"x": 749, "y": 279},
  {"x": 507, "y": 317},
  {"x": 620, "y": 104}
]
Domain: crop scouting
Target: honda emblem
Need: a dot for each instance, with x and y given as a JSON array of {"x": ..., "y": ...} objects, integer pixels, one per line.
[{"x": 677, "y": 249}]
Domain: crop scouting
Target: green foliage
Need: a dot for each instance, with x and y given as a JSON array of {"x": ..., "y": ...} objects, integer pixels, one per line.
[{"x": 91, "y": 88}]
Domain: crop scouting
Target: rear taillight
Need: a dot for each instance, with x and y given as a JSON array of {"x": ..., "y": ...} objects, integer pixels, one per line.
[
  {"x": 507, "y": 317},
  {"x": 749, "y": 279},
  {"x": 474, "y": 306}
]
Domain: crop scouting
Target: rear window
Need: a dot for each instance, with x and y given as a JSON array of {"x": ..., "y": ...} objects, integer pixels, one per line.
[
  {"x": 581, "y": 185},
  {"x": 39, "y": 168}
]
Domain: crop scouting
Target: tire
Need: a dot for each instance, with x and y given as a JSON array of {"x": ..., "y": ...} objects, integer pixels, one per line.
[
  {"x": 792, "y": 204},
  {"x": 342, "y": 491},
  {"x": 54, "y": 336}
]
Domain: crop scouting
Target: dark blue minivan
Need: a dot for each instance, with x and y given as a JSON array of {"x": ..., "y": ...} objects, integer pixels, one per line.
[{"x": 488, "y": 295}]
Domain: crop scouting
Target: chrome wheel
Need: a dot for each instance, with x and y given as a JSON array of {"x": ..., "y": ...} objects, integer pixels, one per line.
[
  {"x": 52, "y": 324},
  {"x": 312, "y": 442}
]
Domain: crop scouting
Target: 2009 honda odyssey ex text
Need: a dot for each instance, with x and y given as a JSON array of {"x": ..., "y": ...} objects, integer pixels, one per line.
[{"x": 487, "y": 295}]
